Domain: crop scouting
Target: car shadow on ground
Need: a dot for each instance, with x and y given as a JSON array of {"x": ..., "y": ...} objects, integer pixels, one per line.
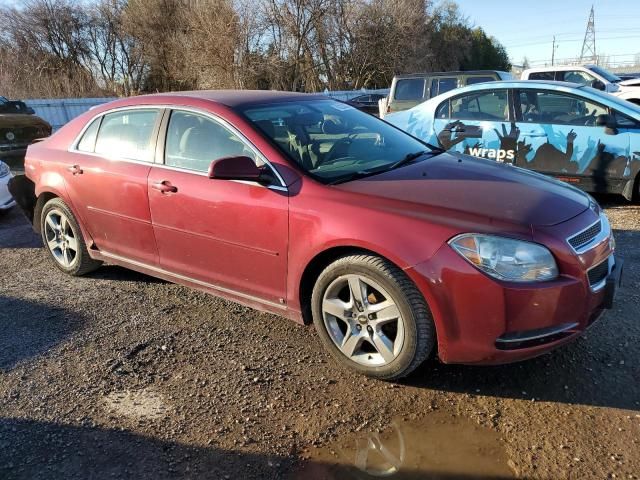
[
  {"x": 28, "y": 329},
  {"x": 115, "y": 272},
  {"x": 41, "y": 450},
  {"x": 16, "y": 232}
]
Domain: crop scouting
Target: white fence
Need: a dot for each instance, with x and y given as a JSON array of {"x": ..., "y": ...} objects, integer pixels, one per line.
[{"x": 59, "y": 111}]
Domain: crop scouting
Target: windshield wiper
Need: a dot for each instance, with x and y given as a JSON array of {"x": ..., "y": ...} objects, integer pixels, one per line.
[
  {"x": 355, "y": 176},
  {"x": 408, "y": 159}
]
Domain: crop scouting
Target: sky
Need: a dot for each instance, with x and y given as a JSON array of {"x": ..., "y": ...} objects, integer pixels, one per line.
[{"x": 526, "y": 28}]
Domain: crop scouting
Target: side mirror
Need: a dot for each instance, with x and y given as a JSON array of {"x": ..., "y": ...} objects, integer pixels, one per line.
[
  {"x": 597, "y": 84},
  {"x": 238, "y": 168},
  {"x": 608, "y": 122}
]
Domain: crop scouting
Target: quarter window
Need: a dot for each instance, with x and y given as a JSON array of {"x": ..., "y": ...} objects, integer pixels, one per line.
[
  {"x": 536, "y": 106},
  {"x": 194, "y": 141},
  {"x": 443, "y": 110},
  {"x": 88, "y": 141},
  {"x": 485, "y": 106},
  {"x": 127, "y": 134}
]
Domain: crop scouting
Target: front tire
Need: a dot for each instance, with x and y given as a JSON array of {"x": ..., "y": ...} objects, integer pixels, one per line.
[
  {"x": 371, "y": 317},
  {"x": 62, "y": 237}
]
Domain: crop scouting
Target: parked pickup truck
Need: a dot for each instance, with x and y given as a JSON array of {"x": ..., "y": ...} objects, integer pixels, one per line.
[{"x": 590, "y": 75}]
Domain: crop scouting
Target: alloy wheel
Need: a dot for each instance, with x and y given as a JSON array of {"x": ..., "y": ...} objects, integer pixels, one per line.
[
  {"x": 363, "y": 320},
  {"x": 60, "y": 237}
]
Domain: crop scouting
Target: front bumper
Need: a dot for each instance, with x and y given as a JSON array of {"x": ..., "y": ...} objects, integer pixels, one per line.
[{"x": 480, "y": 320}]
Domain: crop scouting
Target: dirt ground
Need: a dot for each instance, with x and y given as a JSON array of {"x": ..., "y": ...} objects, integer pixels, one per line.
[{"x": 119, "y": 375}]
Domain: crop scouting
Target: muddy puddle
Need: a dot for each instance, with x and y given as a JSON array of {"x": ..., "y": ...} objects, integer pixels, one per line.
[{"x": 438, "y": 446}]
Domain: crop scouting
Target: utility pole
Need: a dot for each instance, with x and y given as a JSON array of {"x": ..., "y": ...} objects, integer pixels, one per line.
[
  {"x": 589, "y": 44},
  {"x": 553, "y": 51}
]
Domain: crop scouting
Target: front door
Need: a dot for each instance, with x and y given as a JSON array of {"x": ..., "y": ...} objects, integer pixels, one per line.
[
  {"x": 225, "y": 233},
  {"x": 559, "y": 137},
  {"x": 106, "y": 177}
]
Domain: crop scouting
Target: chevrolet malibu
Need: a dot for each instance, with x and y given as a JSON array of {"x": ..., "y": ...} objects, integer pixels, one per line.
[{"x": 308, "y": 208}]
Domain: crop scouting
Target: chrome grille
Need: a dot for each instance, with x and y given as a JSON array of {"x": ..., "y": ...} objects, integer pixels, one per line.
[
  {"x": 584, "y": 237},
  {"x": 598, "y": 273}
]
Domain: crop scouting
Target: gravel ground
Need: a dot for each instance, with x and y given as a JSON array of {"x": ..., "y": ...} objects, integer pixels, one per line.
[{"x": 119, "y": 375}]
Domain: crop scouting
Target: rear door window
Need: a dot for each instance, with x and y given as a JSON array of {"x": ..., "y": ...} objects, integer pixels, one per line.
[
  {"x": 491, "y": 105},
  {"x": 409, "y": 89},
  {"x": 127, "y": 134}
]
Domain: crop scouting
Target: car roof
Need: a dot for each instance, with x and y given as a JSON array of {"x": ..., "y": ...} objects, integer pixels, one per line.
[
  {"x": 236, "y": 98},
  {"x": 441, "y": 74},
  {"x": 567, "y": 87},
  {"x": 557, "y": 68}
]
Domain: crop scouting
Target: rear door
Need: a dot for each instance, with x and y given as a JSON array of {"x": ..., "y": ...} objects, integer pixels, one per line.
[
  {"x": 228, "y": 234},
  {"x": 106, "y": 177},
  {"x": 477, "y": 124},
  {"x": 559, "y": 136}
]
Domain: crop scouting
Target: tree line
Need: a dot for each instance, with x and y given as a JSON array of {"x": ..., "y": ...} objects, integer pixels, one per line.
[{"x": 68, "y": 48}]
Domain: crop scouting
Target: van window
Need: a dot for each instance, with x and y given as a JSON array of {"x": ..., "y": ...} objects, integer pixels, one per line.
[
  {"x": 474, "y": 80},
  {"x": 542, "y": 76},
  {"x": 443, "y": 85},
  {"x": 489, "y": 106},
  {"x": 536, "y": 106},
  {"x": 409, "y": 89},
  {"x": 127, "y": 134}
]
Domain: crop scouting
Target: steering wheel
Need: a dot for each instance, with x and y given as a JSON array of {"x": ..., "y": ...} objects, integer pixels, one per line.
[
  {"x": 590, "y": 120},
  {"x": 331, "y": 154}
]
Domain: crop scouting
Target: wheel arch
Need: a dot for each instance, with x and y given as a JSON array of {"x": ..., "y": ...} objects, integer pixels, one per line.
[
  {"x": 41, "y": 201},
  {"x": 318, "y": 263}
]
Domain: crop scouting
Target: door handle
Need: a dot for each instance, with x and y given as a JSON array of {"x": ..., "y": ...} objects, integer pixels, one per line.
[
  {"x": 75, "y": 169},
  {"x": 164, "y": 187},
  {"x": 535, "y": 134}
]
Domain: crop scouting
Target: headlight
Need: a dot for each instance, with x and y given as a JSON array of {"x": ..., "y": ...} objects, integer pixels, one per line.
[
  {"x": 4, "y": 169},
  {"x": 505, "y": 258}
]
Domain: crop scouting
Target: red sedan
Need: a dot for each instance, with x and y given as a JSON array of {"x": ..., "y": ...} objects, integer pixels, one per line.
[{"x": 306, "y": 207}]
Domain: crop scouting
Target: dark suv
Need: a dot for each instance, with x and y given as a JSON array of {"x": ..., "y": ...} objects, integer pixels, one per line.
[{"x": 19, "y": 128}]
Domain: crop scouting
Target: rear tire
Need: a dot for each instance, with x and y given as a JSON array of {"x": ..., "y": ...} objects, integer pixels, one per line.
[
  {"x": 62, "y": 238},
  {"x": 371, "y": 317}
]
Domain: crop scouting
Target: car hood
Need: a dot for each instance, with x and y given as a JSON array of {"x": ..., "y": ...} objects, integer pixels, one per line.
[
  {"x": 477, "y": 187},
  {"x": 634, "y": 82},
  {"x": 18, "y": 120}
]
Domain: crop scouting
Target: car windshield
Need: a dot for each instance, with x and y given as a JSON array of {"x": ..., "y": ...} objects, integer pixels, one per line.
[
  {"x": 332, "y": 141},
  {"x": 604, "y": 73}
]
